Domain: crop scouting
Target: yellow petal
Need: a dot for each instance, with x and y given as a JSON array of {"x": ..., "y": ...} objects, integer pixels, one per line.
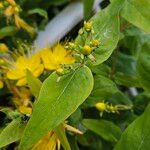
[
  {"x": 15, "y": 74},
  {"x": 25, "y": 110},
  {"x": 20, "y": 23},
  {"x": 53, "y": 60},
  {"x": 21, "y": 82},
  {"x": 12, "y": 2},
  {"x": 52, "y": 142},
  {"x": 48, "y": 59},
  {"x": 34, "y": 62},
  {"x": 38, "y": 71},
  {"x": 59, "y": 51},
  {"x": 48, "y": 142},
  {"x": 69, "y": 59},
  {"x": 62, "y": 55},
  {"x": 9, "y": 11},
  {"x": 22, "y": 62}
]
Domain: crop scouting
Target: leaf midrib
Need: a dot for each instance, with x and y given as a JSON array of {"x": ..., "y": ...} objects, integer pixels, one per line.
[{"x": 63, "y": 91}]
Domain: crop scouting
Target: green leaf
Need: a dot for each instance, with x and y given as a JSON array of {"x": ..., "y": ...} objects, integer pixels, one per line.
[
  {"x": 88, "y": 8},
  {"x": 106, "y": 25},
  {"x": 143, "y": 67},
  {"x": 106, "y": 129},
  {"x": 125, "y": 64},
  {"x": 60, "y": 131},
  {"x": 134, "y": 40},
  {"x": 39, "y": 11},
  {"x": 8, "y": 31},
  {"x": 103, "y": 89},
  {"x": 127, "y": 80},
  {"x": 120, "y": 98},
  {"x": 33, "y": 83},
  {"x": 137, "y": 135},
  {"x": 12, "y": 132},
  {"x": 56, "y": 102},
  {"x": 137, "y": 13},
  {"x": 101, "y": 69}
]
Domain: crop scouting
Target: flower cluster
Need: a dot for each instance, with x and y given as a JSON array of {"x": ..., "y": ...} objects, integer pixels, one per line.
[
  {"x": 86, "y": 43},
  {"x": 109, "y": 108}
]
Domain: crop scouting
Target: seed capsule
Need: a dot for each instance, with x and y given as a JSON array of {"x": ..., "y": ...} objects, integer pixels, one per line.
[
  {"x": 88, "y": 26},
  {"x": 87, "y": 50},
  {"x": 60, "y": 71},
  {"x": 101, "y": 106},
  {"x": 95, "y": 43}
]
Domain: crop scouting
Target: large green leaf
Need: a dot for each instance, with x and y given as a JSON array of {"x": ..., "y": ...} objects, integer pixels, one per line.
[
  {"x": 143, "y": 67},
  {"x": 137, "y": 13},
  {"x": 12, "y": 132},
  {"x": 126, "y": 80},
  {"x": 106, "y": 25},
  {"x": 57, "y": 100},
  {"x": 137, "y": 135},
  {"x": 35, "y": 85},
  {"x": 106, "y": 129}
]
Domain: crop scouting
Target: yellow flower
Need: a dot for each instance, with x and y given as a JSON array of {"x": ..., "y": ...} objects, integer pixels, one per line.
[
  {"x": 18, "y": 70},
  {"x": 54, "y": 58},
  {"x": 49, "y": 142},
  {"x": 3, "y": 48}
]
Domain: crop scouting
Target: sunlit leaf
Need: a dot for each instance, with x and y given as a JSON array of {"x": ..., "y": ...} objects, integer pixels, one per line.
[{"x": 57, "y": 100}]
